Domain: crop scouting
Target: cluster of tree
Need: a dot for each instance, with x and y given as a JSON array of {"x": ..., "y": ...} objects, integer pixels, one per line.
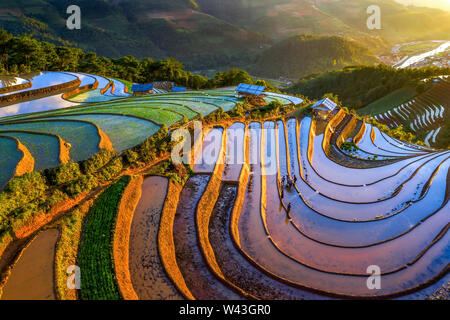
[
  {"x": 24, "y": 54},
  {"x": 359, "y": 86}
]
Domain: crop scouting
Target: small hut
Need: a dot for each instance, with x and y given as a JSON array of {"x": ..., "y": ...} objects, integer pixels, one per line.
[
  {"x": 254, "y": 95},
  {"x": 324, "y": 107},
  {"x": 142, "y": 89}
]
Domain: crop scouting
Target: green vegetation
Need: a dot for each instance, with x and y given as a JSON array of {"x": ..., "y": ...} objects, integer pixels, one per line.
[
  {"x": 116, "y": 29},
  {"x": 159, "y": 116},
  {"x": 418, "y": 48},
  {"x": 36, "y": 193},
  {"x": 83, "y": 137},
  {"x": 349, "y": 146},
  {"x": 359, "y": 86},
  {"x": 9, "y": 159},
  {"x": 176, "y": 173},
  {"x": 43, "y": 148},
  {"x": 400, "y": 132},
  {"x": 95, "y": 257},
  {"x": 302, "y": 55},
  {"x": 389, "y": 101},
  {"x": 24, "y": 54},
  {"x": 137, "y": 129}
]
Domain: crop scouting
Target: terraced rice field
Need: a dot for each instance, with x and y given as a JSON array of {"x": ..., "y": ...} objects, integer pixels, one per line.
[
  {"x": 339, "y": 223},
  {"x": 43, "y": 147},
  {"x": 9, "y": 158},
  {"x": 274, "y": 210},
  {"x": 77, "y": 118},
  {"x": 82, "y": 136},
  {"x": 46, "y": 79},
  {"x": 426, "y": 114},
  {"x": 32, "y": 277}
]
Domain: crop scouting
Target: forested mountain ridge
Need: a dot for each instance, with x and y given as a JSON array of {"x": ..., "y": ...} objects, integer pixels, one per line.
[
  {"x": 215, "y": 34},
  {"x": 306, "y": 54},
  {"x": 154, "y": 28},
  {"x": 358, "y": 86}
]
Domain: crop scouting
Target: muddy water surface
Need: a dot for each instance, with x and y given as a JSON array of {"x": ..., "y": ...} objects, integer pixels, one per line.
[
  {"x": 147, "y": 273},
  {"x": 198, "y": 278},
  {"x": 32, "y": 278}
]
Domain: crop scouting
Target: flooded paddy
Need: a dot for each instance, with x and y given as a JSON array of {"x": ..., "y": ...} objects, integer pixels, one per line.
[
  {"x": 234, "y": 158},
  {"x": 32, "y": 278},
  {"x": 326, "y": 250},
  {"x": 147, "y": 273},
  {"x": 193, "y": 267}
]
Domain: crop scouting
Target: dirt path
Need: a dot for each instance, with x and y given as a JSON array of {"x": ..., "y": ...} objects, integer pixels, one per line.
[{"x": 32, "y": 277}]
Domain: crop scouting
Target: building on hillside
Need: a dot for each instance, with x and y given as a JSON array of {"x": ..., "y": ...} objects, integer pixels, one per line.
[
  {"x": 324, "y": 107},
  {"x": 142, "y": 89},
  {"x": 252, "y": 94}
]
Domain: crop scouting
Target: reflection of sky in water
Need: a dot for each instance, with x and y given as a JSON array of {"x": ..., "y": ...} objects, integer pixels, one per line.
[
  {"x": 46, "y": 79},
  {"x": 7, "y": 81},
  {"x": 44, "y": 104},
  {"x": 85, "y": 79}
]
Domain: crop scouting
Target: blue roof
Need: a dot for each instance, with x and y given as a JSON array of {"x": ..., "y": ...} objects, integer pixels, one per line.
[
  {"x": 250, "y": 89},
  {"x": 178, "y": 89},
  {"x": 142, "y": 87},
  {"x": 325, "y": 104}
]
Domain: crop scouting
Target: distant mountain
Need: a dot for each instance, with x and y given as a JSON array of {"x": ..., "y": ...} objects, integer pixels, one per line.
[
  {"x": 302, "y": 55},
  {"x": 282, "y": 18},
  {"x": 143, "y": 28},
  {"x": 214, "y": 34}
]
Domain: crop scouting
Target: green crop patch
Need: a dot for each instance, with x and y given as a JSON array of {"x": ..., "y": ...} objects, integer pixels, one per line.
[
  {"x": 173, "y": 107},
  {"x": 389, "y": 101},
  {"x": 43, "y": 148},
  {"x": 157, "y": 115},
  {"x": 9, "y": 158},
  {"x": 124, "y": 132},
  {"x": 83, "y": 137},
  {"x": 95, "y": 257}
]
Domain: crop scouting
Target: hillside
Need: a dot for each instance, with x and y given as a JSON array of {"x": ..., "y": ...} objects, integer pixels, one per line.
[
  {"x": 153, "y": 28},
  {"x": 301, "y": 55},
  {"x": 362, "y": 85},
  {"x": 213, "y": 34},
  {"x": 283, "y": 18}
]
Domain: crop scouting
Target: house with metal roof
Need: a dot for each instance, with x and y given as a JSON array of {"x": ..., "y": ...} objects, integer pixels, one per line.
[
  {"x": 324, "y": 107},
  {"x": 141, "y": 89},
  {"x": 252, "y": 94},
  {"x": 326, "y": 104}
]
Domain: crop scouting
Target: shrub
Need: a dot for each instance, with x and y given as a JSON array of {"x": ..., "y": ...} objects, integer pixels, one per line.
[
  {"x": 130, "y": 157},
  {"x": 111, "y": 170},
  {"x": 20, "y": 191},
  {"x": 64, "y": 173},
  {"x": 85, "y": 183},
  {"x": 97, "y": 161}
]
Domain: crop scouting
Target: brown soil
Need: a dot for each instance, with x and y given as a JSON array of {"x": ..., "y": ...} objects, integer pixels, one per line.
[
  {"x": 64, "y": 150},
  {"x": 32, "y": 277},
  {"x": 130, "y": 199},
  {"x": 26, "y": 164},
  {"x": 148, "y": 276},
  {"x": 166, "y": 243},
  {"x": 41, "y": 219},
  {"x": 104, "y": 143}
]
